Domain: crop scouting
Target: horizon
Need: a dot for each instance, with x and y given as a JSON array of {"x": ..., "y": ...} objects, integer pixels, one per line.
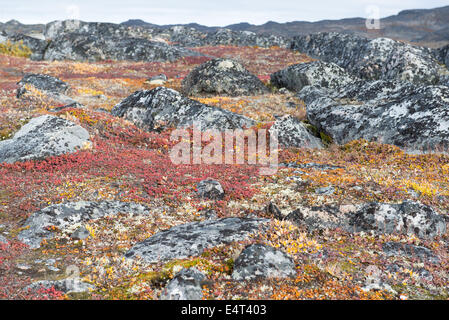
[{"x": 204, "y": 13}]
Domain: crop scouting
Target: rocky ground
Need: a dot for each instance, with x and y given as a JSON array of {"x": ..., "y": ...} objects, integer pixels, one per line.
[{"x": 92, "y": 206}]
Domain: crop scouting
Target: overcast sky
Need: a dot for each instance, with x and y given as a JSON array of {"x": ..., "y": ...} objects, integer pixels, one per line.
[{"x": 211, "y": 13}]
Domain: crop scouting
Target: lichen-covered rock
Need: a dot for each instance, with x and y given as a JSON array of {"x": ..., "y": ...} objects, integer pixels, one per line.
[
  {"x": 293, "y": 133},
  {"x": 67, "y": 216},
  {"x": 163, "y": 107},
  {"x": 316, "y": 73},
  {"x": 90, "y": 47},
  {"x": 42, "y": 82},
  {"x": 397, "y": 249},
  {"x": 408, "y": 217},
  {"x": 372, "y": 59},
  {"x": 186, "y": 285},
  {"x": 261, "y": 261},
  {"x": 70, "y": 285},
  {"x": 210, "y": 189},
  {"x": 3, "y": 240},
  {"x": 37, "y": 46},
  {"x": 191, "y": 239},
  {"x": 43, "y": 137},
  {"x": 225, "y": 36},
  {"x": 415, "y": 118},
  {"x": 222, "y": 77}
]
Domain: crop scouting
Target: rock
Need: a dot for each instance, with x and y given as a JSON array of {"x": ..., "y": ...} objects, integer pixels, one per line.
[
  {"x": 222, "y": 77},
  {"x": 392, "y": 249},
  {"x": 261, "y": 261},
  {"x": 325, "y": 190},
  {"x": 163, "y": 108},
  {"x": 292, "y": 133},
  {"x": 415, "y": 118},
  {"x": 157, "y": 80},
  {"x": 225, "y": 36},
  {"x": 408, "y": 217},
  {"x": 186, "y": 285},
  {"x": 316, "y": 73},
  {"x": 311, "y": 165},
  {"x": 66, "y": 216},
  {"x": 43, "y": 137},
  {"x": 372, "y": 59},
  {"x": 89, "y": 47},
  {"x": 274, "y": 211},
  {"x": 71, "y": 285},
  {"x": 37, "y": 46},
  {"x": 42, "y": 82},
  {"x": 191, "y": 239},
  {"x": 210, "y": 189},
  {"x": 80, "y": 234},
  {"x": 3, "y": 240}
]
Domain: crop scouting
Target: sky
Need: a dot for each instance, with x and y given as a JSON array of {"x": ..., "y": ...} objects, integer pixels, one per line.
[{"x": 211, "y": 13}]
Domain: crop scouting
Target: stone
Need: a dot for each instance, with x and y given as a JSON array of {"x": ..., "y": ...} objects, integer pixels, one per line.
[
  {"x": 42, "y": 82},
  {"x": 66, "y": 216},
  {"x": 162, "y": 107},
  {"x": 3, "y": 240},
  {"x": 397, "y": 249},
  {"x": 415, "y": 118},
  {"x": 37, "y": 46},
  {"x": 191, "y": 239},
  {"x": 316, "y": 73},
  {"x": 70, "y": 285},
  {"x": 261, "y": 261},
  {"x": 186, "y": 285},
  {"x": 157, "y": 80},
  {"x": 43, "y": 137},
  {"x": 293, "y": 133},
  {"x": 222, "y": 77},
  {"x": 210, "y": 189},
  {"x": 274, "y": 211},
  {"x": 325, "y": 191},
  {"x": 80, "y": 234},
  {"x": 372, "y": 59}
]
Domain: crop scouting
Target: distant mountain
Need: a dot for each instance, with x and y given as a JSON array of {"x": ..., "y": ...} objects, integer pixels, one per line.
[
  {"x": 13, "y": 27},
  {"x": 428, "y": 27}
]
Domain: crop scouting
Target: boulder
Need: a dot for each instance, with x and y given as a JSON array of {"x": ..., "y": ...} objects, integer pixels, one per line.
[
  {"x": 191, "y": 239},
  {"x": 293, "y": 133},
  {"x": 70, "y": 285},
  {"x": 37, "y": 46},
  {"x": 210, "y": 189},
  {"x": 372, "y": 59},
  {"x": 408, "y": 217},
  {"x": 162, "y": 107},
  {"x": 415, "y": 118},
  {"x": 225, "y": 36},
  {"x": 43, "y": 137},
  {"x": 222, "y": 77},
  {"x": 42, "y": 82},
  {"x": 90, "y": 47},
  {"x": 67, "y": 216},
  {"x": 186, "y": 285},
  {"x": 261, "y": 261},
  {"x": 397, "y": 249},
  {"x": 316, "y": 73}
]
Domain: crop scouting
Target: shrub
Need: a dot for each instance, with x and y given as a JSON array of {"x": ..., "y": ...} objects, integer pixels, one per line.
[{"x": 16, "y": 49}]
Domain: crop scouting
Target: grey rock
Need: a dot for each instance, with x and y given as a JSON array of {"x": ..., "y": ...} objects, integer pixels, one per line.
[
  {"x": 408, "y": 217},
  {"x": 392, "y": 249},
  {"x": 311, "y": 165},
  {"x": 163, "y": 107},
  {"x": 380, "y": 58},
  {"x": 262, "y": 261},
  {"x": 3, "y": 240},
  {"x": 71, "y": 285},
  {"x": 210, "y": 189},
  {"x": 222, "y": 77},
  {"x": 225, "y": 36},
  {"x": 325, "y": 190},
  {"x": 316, "y": 73},
  {"x": 42, "y": 82},
  {"x": 65, "y": 215},
  {"x": 186, "y": 285},
  {"x": 415, "y": 118},
  {"x": 43, "y": 137},
  {"x": 293, "y": 133},
  {"x": 37, "y": 46},
  {"x": 80, "y": 234},
  {"x": 191, "y": 239},
  {"x": 274, "y": 211}
]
